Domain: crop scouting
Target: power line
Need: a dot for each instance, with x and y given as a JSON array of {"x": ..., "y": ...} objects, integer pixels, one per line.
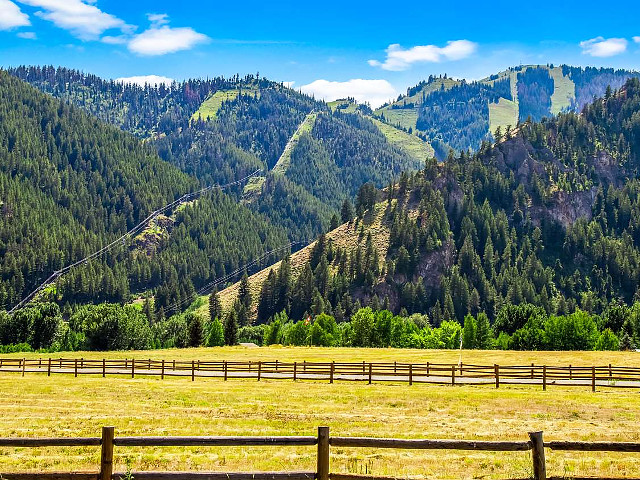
[{"x": 130, "y": 233}]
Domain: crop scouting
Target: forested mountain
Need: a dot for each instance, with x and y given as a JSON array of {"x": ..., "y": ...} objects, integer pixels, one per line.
[
  {"x": 460, "y": 115},
  {"x": 548, "y": 215},
  {"x": 69, "y": 184},
  {"x": 219, "y": 130}
]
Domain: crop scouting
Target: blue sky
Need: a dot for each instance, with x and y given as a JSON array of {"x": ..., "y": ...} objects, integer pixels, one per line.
[{"x": 373, "y": 50}]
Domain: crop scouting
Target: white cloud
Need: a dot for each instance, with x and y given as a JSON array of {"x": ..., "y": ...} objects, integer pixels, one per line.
[
  {"x": 27, "y": 35},
  {"x": 604, "y": 47},
  {"x": 143, "y": 80},
  {"x": 115, "y": 39},
  {"x": 80, "y": 17},
  {"x": 160, "y": 39},
  {"x": 401, "y": 59},
  {"x": 376, "y": 92},
  {"x": 11, "y": 16},
  {"x": 636, "y": 39}
]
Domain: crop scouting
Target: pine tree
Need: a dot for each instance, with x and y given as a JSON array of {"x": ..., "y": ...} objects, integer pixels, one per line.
[
  {"x": 346, "y": 212},
  {"x": 196, "y": 330},
  {"x": 215, "y": 307},
  {"x": 483, "y": 332},
  {"x": 231, "y": 328},
  {"x": 244, "y": 292}
]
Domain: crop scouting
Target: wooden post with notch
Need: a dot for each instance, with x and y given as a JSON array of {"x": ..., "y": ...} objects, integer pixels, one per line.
[
  {"x": 544, "y": 377},
  {"x": 370, "y": 373},
  {"x": 162, "y": 370},
  {"x": 225, "y": 370},
  {"x": 133, "y": 368},
  {"x": 75, "y": 367},
  {"x": 453, "y": 374},
  {"x": 331, "y": 372},
  {"x": 24, "y": 362},
  {"x": 193, "y": 370},
  {"x": 497, "y": 373},
  {"x": 411, "y": 374},
  {"x": 295, "y": 370},
  {"x": 259, "y": 370},
  {"x": 49, "y": 367},
  {"x": 322, "y": 472},
  {"x": 537, "y": 453},
  {"x": 106, "y": 454},
  {"x": 104, "y": 367},
  {"x": 593, "y": 379}
]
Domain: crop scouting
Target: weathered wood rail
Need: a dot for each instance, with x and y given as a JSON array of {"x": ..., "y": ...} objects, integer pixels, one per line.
[
  {"x": 323, "y": 442},
  {"x": 541, "y": 375}
]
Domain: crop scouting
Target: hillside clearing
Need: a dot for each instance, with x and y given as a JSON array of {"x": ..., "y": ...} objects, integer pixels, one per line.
[
  {"x": 36, "y": 405},
  {"x": 564, "y": 91},
  {"x": 502, "y": 114},
  {"x": 405, "y": 117},
  {"x": 210, "y": 107},
  {"x": 282, "y": 165},
  {"x": 411, "y": 144}
]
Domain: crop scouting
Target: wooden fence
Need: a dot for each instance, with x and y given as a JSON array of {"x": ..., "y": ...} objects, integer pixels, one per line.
[
  {"x": 542, "y": 375},
  {"x": 323, "y": 441}
]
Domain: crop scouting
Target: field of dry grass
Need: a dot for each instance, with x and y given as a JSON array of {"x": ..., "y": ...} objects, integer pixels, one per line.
[{"x": 36, "y": 405}]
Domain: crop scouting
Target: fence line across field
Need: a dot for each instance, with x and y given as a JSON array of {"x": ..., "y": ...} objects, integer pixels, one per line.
[
  {"x": 107, "y": 442},
  {"x": 443, "y": 373}
]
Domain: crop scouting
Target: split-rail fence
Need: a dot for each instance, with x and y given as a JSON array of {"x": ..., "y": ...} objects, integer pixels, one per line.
[
  {"x": 535, "y": 444},
  {"x": 439, "y": 373}
]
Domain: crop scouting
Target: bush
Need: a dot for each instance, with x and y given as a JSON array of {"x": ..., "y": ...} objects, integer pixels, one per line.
[
  {"x": 251, "y": 334},
  {"x": 214, "y": 333}
]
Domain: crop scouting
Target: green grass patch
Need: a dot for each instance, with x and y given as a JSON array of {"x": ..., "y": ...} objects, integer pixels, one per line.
[
  {"x": 282, "y": 165},
  {"x": 343, "y": 105},
  {"x": 405, "y": 117},
  {"x": 503, "y": 113},
  {"x": 414, "y": 146},
  {"x": 564, "y": 92},
  {"x": 211, "y": 106}
]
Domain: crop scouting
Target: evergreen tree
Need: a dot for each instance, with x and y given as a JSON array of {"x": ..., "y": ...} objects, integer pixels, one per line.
[{"x": 231, "y": 328}]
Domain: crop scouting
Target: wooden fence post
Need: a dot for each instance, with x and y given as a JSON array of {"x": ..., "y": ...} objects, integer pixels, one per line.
[
  {"x": 304, "y": 365},
  {"x": 322, "y": 472},
  {"x": 453, "y": 374},
  {"x": 497, "y": 373},
  {"x": 174, "y": 365},
  {"x": 544, "y": 377},
  {"x": 39, "y": 362},
  {"x": 104, "y": 367},
  {"x": 24, "y": 362},
  {"x": 331, "y": 372},
  {"x": 537, "y": 453},
  {"x": 610, "y": 372},
  {"x": 75, "y": 367},
  {"x": 162, "y": 370},
  {"x": 49, "y": 367},
  {"x": 276, "y": 364},
  {"x": 259, "y": 369},
  {"x": 295, "y": 370},
  {"x": 395, "y": 367},
  {"x": 193, "y": 370},
  {"x": 106, "y": 454},
  {"x": 593, "y": 379},
  {"x": 369, "y": 373},
  {"x": 532, "y": 370},
  {"x": 225, "y": 370},
  {"x": 570, "y": 372},
  {"x": 133, "y": 368},
  {"x": 411, "y": 374},
  {"x": 428, "y": 368}
]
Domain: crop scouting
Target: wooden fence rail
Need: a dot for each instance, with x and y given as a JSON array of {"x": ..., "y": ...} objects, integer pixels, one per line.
[
  {"x": 541, "y": 375},
  {"x": 323, "y": 441}
]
